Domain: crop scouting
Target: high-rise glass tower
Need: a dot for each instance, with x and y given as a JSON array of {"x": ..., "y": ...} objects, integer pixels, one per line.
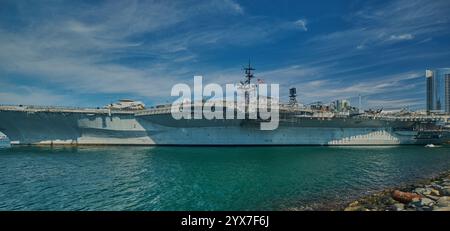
[{"x": 438, "y": 90}]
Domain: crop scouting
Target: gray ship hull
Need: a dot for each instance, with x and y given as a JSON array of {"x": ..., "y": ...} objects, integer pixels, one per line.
[
  {"x": 72, "y": 128},
  {"x": 163, "y": 129},
  {"x": 101, "y": 127}
]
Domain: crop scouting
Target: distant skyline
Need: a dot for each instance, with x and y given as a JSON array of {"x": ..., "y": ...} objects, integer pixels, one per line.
[{"x": 91, "y": 53}]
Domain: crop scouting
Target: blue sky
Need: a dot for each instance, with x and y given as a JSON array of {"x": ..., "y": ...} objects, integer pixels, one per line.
[{"x": 90, "y": 53}]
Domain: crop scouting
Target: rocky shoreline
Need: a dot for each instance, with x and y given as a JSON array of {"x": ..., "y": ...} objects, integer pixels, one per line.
[{"x": 430, "y": 195}]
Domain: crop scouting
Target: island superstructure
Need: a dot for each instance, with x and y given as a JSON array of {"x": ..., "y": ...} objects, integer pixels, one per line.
[{"x": 130, "y": 123}]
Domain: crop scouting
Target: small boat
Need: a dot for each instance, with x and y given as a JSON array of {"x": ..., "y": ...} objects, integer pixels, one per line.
[{"x": 430, "y": 146}]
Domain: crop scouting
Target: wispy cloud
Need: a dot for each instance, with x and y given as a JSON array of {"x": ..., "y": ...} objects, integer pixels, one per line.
[
  {"x": 399, "y": 20},
  {"x": 84, "y": 51},
  {"x": 26, "y": 95},
  {"x": 301, "y": 24},
  {"x": 401, "y": 37},
  {"x": 413, "y": 103},
  {"x": 235, "y": 6}
]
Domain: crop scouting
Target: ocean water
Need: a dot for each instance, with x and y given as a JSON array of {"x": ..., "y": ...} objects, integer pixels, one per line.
[{"x": 206, "y": 178}]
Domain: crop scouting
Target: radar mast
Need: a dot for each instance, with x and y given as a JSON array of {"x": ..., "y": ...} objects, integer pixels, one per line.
[{"x": 248, "y": 73}]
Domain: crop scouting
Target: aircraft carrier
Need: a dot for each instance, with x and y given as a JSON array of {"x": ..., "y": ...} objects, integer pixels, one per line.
[{"x": 130, "y": 123}]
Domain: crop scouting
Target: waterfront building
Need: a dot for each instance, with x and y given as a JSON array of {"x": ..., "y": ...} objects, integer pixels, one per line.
[
  {"x": 438, "y": 90},
  {"x": 341, "y": 105}
]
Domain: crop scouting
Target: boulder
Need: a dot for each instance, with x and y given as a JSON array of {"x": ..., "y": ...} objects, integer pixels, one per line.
[
  {"x": 441, "y": 208},
  {"x": 426, "y": 202},
  {"x": 434, "y": 192},
  {"x": 435, "y": 198},
  {"x": 355, "y": 208},
  {"x": 436, "y": 186},
  {"x": 443, "y": 202},
  {"x": 405, "y": 197},
  {"x": 423, "y": 191},
  {"x": 445, "y": 191},
  {"x": 353, "y": 204},
  {"x": 397, "y": 207}
]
